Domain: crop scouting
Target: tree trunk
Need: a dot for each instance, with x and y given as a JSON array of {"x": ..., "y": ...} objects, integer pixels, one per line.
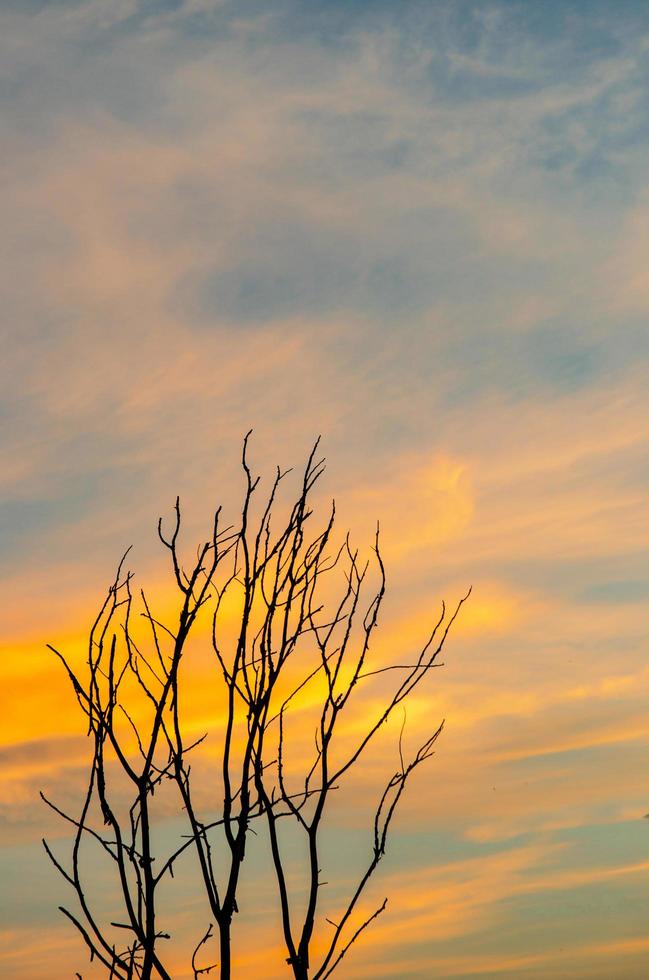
[
  {"x": 300, "y": 968},
  {"x": 225, "y": 944},
  {"x": 147, "y": 964}
]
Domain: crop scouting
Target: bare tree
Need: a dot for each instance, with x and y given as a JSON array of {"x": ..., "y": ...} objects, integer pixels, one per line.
[{"x": 294, "y": 632}]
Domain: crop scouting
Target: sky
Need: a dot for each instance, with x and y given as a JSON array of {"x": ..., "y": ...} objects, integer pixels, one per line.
[{"x": 421, "y": 231}]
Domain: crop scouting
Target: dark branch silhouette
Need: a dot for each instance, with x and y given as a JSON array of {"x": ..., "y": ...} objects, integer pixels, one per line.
[{"x": 292, "y": 634}]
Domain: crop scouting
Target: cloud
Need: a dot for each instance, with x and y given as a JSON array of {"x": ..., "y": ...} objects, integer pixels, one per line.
[{"x": 421, "y": 234}]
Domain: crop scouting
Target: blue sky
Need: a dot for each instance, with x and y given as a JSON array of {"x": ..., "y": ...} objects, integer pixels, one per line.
[{"x": 419, "y": 229}]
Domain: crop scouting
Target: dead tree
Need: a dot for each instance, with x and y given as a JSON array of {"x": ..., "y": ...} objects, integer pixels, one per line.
[
  {"x": 119, "y": 676},
  {"x": 290, "y": 592},
  {"x": 291, "y": 634}
]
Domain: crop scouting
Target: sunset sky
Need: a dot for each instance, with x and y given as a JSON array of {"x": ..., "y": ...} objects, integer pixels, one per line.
[{"x": 421, "y": 230}]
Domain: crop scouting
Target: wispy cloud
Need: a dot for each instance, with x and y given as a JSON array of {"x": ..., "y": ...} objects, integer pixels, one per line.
[{"x": 419, "y": 232}]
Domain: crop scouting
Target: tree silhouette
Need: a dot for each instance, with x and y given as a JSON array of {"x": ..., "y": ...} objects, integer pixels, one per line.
[{"x": 298, "y": 635}]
